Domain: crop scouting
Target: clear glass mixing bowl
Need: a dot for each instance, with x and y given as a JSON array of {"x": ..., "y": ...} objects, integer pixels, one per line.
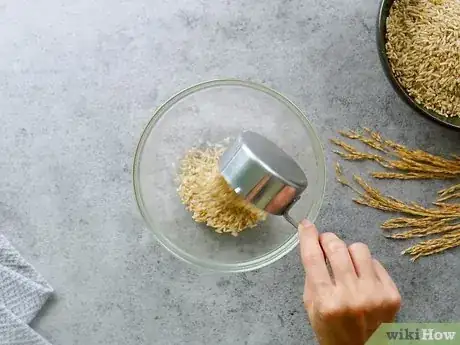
[{"x": 209, "y": 113}]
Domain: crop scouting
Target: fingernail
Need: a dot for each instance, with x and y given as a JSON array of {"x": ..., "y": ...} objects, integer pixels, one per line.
[{"x": 306, "y": 223}]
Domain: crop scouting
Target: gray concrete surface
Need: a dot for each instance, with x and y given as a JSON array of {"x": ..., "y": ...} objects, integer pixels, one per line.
[{"x": 79, "y": 81}]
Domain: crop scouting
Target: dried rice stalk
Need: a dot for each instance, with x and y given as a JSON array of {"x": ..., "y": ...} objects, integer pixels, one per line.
[
  {"x": 424, "y": 51},
  {"x": 207, "y": 195},
  {"x": 434, "y": 246},
  {"x": 444, "y": 218},
  {"x": 405, "y": 163},
  {"x": 449, "y": 193}
]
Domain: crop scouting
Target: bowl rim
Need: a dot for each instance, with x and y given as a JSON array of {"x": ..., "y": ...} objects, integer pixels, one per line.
[
  {"x": 265, "y": 259},
  {"x": 384, "y": 7}
]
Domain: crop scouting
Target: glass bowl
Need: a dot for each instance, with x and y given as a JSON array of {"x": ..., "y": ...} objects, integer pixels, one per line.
[{"x": 214, "y": 112}]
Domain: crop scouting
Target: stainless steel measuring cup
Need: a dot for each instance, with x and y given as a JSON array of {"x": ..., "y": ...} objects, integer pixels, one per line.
[{"x": 263, "y": 174}]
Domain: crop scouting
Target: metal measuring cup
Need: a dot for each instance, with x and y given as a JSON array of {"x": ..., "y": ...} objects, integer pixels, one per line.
[{"x": 263, "y": 174}]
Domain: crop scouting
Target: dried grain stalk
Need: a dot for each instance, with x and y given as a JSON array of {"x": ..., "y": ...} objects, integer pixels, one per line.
[
  {"x": 433, "y": 246},
  {"x": 418, "y": 221},
  {"x": 452, "y": 192},
  {"x": 403, "y": 163}
]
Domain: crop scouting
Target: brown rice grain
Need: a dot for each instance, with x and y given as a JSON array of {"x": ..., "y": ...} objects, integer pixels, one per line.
[
  {"x": 206, "y": 194},
  {"x": 423, "y": 47}
]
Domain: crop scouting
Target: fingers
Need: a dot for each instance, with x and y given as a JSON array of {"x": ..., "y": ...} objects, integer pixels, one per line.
[
  {"x": 383, "y": 275},
  {"x": 391, "y": 296},
  {"x": 337, "y": 253},
  {"x": 362, "y": 260},
  {"x": 312, "y": 255}
]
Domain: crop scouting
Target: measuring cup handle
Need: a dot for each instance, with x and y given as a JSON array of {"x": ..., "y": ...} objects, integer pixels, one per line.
[
  {"x": 287, "y": 216},
  {"x": 291, "y": 220}
]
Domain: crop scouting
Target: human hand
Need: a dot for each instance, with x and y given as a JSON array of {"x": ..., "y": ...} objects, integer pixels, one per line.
[{"x": 348, "y": 305}]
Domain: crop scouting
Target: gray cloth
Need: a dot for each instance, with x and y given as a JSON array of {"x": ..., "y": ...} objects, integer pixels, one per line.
[{"x": 23, "y": 292}]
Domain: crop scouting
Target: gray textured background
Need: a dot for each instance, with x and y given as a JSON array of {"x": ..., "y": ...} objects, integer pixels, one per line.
[{"x": 78, "y": 82}]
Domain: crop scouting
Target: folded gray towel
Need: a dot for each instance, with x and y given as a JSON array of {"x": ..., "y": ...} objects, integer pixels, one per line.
[{"x": 23, "y": 292}]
